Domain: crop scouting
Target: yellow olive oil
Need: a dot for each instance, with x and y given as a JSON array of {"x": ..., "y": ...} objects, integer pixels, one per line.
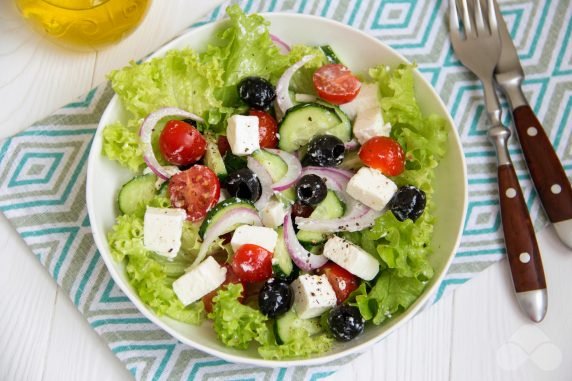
[{"x": 87, "y": 24}]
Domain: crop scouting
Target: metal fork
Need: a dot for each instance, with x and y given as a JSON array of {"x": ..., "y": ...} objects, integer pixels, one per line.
[{"x": 479, "y": 50}]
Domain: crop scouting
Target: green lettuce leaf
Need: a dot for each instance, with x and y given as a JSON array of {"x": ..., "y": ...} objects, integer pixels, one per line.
[
  {"x": 390, "y": 295},
  {"x": 179, "y": 79},
  {"x": 122, "y": 145},
  {"x": 151, "y": 275},
  {"x": 302, "y": 345},
  {"x": 235, "y": 324}
]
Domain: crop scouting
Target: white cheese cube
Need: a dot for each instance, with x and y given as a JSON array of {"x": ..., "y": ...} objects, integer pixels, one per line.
[
  {"x": 273, "y": 214},
  {"x": 313, "y": 295},
  {"x": 371, "y": 187},
  {"x": 162, "y": 230},
  {"x": 256, "y": 235},
  {"x": 369, "y": 123},
  {"x": 198, "y": 282},
  {"x": 242, "y": 134},
  {"x": 351, "y": 257},
  {"x": 366, "y": 98}
]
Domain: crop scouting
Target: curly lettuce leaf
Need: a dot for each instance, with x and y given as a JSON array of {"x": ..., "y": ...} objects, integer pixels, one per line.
[
  {"x": 403, "y": 246},
  {"x": 302, "y": 345},
  {"x": 390, "y": 294},
  {"x": 151, "y": 275},
  {"x": 178, "y": 79},
  {"x": 121, "y": 144},
  {"x": 235, "y": 324}
]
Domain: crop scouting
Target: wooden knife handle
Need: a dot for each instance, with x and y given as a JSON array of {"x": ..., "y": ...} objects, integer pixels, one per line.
[
  {"x": 544, "y": 166},
  {"x": 520, "y": 239}
]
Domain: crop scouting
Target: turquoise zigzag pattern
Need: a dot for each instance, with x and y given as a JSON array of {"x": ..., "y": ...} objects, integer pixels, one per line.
[{"x": 42, "y": 170}]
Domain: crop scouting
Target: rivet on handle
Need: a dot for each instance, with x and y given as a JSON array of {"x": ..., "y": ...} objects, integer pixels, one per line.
[{"x": 510, "y": 193}]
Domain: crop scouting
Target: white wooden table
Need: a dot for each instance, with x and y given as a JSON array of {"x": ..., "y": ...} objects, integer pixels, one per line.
[{"x": 476, "y": 334}]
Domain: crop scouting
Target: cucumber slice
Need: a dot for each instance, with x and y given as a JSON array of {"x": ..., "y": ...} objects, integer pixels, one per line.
[
  {"x": 213, "y": 159},
  {"x": 282, "y": 264},
  {"x": 284, "y": 325},
  {"x": 306, "y": 120},
  {"x": 136, "y": 193},
  {"x": 233, "y": 163},
  {"x": 220, "y": 210},
  {"x": 331, "y": 207},
  {"x": 331, "y": 56},
  {"x": 274, "y": 165}
]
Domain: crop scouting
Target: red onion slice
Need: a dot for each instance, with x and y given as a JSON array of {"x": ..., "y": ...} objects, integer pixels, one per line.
[
  {"x": 282, "y": 96},
  {"x": 282, "y": 46},
  {"x": 265, "y": 181},
  {"x": 305, "y": 260},
  {"x": 228, "y": 223},
  {"x": 146, "y": 131},
  {"x": 294, "y": 169}
]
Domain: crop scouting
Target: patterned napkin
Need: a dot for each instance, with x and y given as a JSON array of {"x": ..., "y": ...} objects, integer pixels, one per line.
[{"x": 43, "y": 170}]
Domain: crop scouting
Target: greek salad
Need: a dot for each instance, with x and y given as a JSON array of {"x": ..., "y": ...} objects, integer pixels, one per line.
[{"x": 275, "y": 191}]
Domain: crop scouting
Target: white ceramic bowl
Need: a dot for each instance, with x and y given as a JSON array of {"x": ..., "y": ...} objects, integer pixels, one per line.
[{"x": 359, "y": 51}]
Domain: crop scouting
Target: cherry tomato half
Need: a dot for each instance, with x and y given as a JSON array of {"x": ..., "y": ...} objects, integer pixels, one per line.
[
  {"x": 343, "y": 282},
  {"x": 336, "y": 84},
  {"x": 384, "y": 154},
  {"x": 231, "y": 277},
  {"x": 267, "y": 128},
  {"x": 181, "y": 143},
  {"x": 197, "y": 190},
  {"x": 252, "y": 263}
]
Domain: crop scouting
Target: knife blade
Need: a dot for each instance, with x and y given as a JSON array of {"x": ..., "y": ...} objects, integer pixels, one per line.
[{"x": 547, "y": 173}]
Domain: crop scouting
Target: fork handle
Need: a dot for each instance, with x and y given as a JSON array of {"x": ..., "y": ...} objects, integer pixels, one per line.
[
  {"x": 544, "y": 166},
  {"x": 520, "y": 239}
]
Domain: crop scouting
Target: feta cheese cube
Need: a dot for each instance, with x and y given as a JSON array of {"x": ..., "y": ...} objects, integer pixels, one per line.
[
  {"x": 242, "y": 134},
  {"x": 369, "y": 123},
  {"x": 162, "y": 230},
  {"x": 313, "y": 295},
  {"x": 371, "y": 187},
  {"x": 273, "y": 214},
  {"x": 198, "y": 282},
  {"x": 366, "y": 98},
  {"x": 256, "y": 235},
  {"x": 351, "y": 257}
]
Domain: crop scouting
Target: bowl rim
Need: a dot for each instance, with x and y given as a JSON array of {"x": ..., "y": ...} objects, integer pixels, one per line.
[{"x": 101, "y": 242}]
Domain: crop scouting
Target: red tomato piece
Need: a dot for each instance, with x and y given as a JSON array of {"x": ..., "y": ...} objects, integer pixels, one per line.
[
  {"x": 343, "y": 282},
  {"x": 223, "y": 145},
  {"x": 252, "y": 263},
  {"x": 181, "y": 143},
  {"x": 267, "y": 128},
  {"x": 231, "y": 277},
  {"x": 197, "y": 190},
  {"x": 384, "y": 154},
  {"x": 336, "y": 84}
]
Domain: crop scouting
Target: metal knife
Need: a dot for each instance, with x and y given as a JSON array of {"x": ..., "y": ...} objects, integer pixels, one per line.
[{"x": 545, "y": 168}]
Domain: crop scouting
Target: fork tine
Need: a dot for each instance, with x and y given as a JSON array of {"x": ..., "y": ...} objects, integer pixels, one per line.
[
  {"x": 481, "y": 29},
  {"x": 453, "y": 18},
  {"x": 467, "y": 24},
  {"x": 492, "y": 16}
]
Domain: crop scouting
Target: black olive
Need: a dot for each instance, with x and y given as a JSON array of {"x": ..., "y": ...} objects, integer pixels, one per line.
[
  {"x": 256, "y": 92},
  {"x": 325, "y": 151},
  {"x": 244, "y": 184},
  {"x": 345, "y": 322},
  {"x": 311, "y": 189},
  {"x": 275, "y": 297},
  {"x": 408, "y": 202}
]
